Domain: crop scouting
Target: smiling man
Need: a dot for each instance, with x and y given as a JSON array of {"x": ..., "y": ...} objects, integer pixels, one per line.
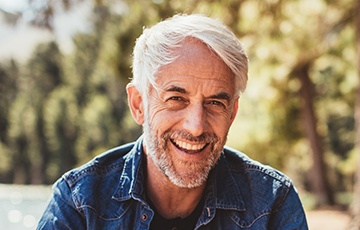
[{"x": 189, "y": 71}]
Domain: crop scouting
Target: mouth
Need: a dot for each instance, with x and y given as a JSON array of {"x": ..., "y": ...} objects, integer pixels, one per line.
[{"x": 188, "y": 147}]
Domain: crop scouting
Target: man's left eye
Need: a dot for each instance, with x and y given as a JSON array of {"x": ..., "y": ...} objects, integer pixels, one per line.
[
  {"x": 176, "y": 99},
  {"x": 216, "y": 103}
]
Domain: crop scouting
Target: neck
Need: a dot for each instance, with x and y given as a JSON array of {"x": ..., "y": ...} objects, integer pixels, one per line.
[{"x": 171, "y": 201}]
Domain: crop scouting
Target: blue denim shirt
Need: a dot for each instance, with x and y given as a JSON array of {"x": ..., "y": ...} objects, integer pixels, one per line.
[{"x": 108, "y": 193}]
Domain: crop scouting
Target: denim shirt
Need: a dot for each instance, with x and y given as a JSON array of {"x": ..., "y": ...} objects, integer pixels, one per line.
[{"x": 108, "y": 193}]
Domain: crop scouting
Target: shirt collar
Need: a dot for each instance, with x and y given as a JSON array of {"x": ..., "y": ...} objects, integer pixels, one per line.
[{"x": 132, "y": 178}]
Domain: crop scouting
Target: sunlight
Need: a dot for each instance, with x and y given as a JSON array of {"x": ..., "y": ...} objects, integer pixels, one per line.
[{"x": 13, "y": 5}]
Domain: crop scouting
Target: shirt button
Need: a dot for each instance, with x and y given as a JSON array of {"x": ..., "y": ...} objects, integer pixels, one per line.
[{"x": 144, "y": 217}]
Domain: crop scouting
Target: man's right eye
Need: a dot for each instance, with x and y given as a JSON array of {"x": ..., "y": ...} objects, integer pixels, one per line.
[{"x": 176, "y": 102}]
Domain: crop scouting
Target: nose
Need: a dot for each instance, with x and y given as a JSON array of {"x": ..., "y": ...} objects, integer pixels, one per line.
[{"x": 195, "y": 120}]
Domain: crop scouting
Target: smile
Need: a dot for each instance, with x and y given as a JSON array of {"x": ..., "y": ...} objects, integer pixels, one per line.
[{"x": 188, "y": 147}]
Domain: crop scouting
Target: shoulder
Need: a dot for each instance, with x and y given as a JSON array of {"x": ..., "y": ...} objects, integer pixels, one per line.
[
  {"x": 94, "y": 183},
  {"x": 90, "y": 188},
  {"x": 240, "y": 164},
  {"x": 104, "y": 165},
  {"x": 258, "y": 191},
  {"x": 261, "y": 187}
]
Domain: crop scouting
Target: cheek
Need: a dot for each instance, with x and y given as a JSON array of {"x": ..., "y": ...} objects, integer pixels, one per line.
[
  {"x": 220, "y": 124},
  {"x": 222, "y": 118},
  {"x": 159, "y": 117}
]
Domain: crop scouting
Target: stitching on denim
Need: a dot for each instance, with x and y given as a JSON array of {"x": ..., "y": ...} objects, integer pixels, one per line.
[
  {"x": 248, "y": 224},
  {"x": 279, "y": 202},
  {"x": 270, "y": 172},
  {"x": 74, "y": 200},
  {"x": 83, "y": 207}
]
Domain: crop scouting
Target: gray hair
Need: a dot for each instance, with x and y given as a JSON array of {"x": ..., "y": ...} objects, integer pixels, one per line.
[{"x": 154, "y": 48}]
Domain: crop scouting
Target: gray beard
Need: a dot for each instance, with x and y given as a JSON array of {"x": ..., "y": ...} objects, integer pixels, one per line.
[{"x": 197, "y": 172}]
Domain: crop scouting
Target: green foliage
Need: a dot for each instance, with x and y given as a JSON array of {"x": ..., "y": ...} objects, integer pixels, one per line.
[{"x": 58, "y": 111}]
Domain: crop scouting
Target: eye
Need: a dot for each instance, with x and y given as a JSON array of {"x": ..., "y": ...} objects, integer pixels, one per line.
[
  {"x": 176, "y": 102},
  {"x": 217, "y": 103},
  {"x": 175, "y": 98}
]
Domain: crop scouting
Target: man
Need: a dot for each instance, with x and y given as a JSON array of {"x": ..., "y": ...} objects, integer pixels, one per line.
[{"x": 188, "y": 71}]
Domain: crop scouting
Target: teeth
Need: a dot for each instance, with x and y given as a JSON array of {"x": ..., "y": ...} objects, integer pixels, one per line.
[{"x": 188, "y": 146}]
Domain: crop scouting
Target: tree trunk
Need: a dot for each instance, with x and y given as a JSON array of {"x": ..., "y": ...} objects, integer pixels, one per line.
[
  {"x": 355, "y": 208},
  {"x": 319, "y": 182}
]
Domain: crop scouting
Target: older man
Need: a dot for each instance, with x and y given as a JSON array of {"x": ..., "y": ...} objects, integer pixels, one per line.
[{"x": 189, "y": 71}]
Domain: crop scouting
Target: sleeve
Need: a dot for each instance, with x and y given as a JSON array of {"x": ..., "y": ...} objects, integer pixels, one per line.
[
  {"x": 61, "y": 212},
  {"x": 290, "y": 215}
]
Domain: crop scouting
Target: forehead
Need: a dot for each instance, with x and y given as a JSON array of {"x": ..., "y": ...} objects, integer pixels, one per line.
[{"x": 196, "y": 63}]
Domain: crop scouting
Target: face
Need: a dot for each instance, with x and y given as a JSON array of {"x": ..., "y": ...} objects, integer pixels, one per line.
[{"x": 188, "y": 115}]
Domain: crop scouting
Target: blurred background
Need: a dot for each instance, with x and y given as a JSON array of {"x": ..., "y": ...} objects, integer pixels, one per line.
[{"x": 64, "y": 66}]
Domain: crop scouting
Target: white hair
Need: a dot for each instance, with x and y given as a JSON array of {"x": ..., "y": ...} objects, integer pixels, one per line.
[{"x": 154, "y": 48}]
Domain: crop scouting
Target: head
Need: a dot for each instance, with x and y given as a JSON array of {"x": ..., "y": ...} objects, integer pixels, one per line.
[{"x": 189, "y": 71}]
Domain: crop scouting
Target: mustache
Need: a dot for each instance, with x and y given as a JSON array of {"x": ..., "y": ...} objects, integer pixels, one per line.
[{"x": 183, "y": 134}]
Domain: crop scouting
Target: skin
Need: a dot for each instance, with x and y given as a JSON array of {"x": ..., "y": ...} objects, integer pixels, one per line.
[{"x": 186, "y": 121}]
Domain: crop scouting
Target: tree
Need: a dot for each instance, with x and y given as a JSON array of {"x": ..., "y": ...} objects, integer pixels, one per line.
[
  {"x": 355, "y": 209},
  {"x": 8, "y": 88},
  {"x": 320, "y": 183}
]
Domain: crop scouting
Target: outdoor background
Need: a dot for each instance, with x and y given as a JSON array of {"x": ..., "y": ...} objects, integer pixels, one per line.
[{"x": 64, "y": 66}]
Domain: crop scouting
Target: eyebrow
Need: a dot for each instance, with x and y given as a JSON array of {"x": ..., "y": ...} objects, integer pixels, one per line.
[
  {"x": 221, "y": 95},
  {"x": 177, "y": 89}
]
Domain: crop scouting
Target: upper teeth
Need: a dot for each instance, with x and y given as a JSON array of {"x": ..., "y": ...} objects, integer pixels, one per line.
[{"x": 189, "y": 146}]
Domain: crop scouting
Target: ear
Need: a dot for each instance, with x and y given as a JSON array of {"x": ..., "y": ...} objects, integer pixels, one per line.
[
  {"x": 235, "y": 110},
  {"x": 135, "y": 103}
]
